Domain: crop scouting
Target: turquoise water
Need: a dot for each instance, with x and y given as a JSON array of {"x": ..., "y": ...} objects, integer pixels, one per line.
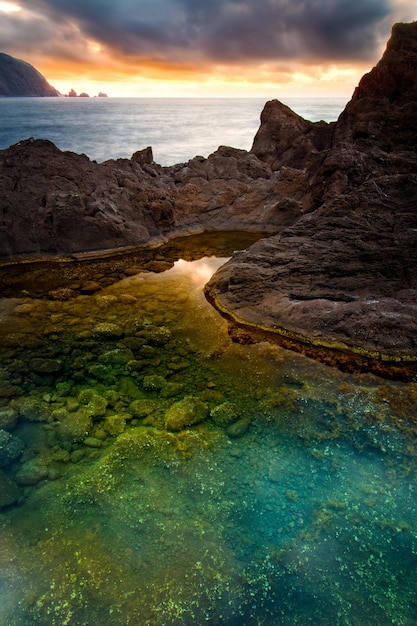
[
  {"x": 178, "y": 129},
  {"x": 170, "y": 476}
]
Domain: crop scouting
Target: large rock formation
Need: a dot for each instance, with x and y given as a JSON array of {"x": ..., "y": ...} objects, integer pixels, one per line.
[
  {"x": 60, "y": 202},
  {"x": 344, "y": 274},
  {"x": 340, "y": 200},
  {"x": 18, "y": 78}
]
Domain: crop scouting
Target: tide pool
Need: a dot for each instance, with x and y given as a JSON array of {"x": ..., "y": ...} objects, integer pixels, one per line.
[{"x": 170, "y": 476}]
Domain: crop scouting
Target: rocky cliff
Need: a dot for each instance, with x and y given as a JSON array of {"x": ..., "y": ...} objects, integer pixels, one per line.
[
  {"x": 339, "y": 200},
  {"x": 18, "y": 78},
  {"x": 344, "y": 274}
]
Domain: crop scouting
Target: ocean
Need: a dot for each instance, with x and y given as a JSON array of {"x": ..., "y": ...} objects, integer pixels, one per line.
[{"x": 177, "y": 129}]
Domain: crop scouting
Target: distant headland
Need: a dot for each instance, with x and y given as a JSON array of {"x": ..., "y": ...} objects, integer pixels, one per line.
[{"x": 18, "y": 78}]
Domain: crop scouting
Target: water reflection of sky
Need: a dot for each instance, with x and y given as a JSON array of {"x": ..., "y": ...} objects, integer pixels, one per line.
[
  {"x": 200, "y": 271},
  {"x": 293, "y": 502}
]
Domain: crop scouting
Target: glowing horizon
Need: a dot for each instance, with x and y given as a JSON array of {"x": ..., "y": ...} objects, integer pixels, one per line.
[{"x": 196, "y": 48}]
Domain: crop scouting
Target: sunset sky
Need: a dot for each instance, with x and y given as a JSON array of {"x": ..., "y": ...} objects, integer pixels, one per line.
[{"x": 263, "y": 48}]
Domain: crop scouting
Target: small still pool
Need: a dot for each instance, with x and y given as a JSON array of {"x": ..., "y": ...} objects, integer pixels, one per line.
[{"x": 155, "y": 473}]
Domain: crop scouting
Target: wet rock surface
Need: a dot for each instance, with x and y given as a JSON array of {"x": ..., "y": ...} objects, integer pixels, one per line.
[{"x": 344, "y": 273}]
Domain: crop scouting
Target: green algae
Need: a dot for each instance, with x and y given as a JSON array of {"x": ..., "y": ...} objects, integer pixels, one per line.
[{"x": 291, "y": 502}]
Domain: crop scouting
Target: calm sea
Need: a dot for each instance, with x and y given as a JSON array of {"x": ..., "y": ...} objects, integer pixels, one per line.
[{"x": 177, "y": 128}]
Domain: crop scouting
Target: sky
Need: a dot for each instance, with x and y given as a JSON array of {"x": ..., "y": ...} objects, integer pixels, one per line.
[{"x": 202, "y": 48}]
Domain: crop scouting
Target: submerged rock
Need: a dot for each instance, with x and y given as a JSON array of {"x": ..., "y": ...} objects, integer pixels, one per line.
[
  {"x": 11, "y": 448},
  {"x": 10, "y": 492},
  {"x": 33, "y": 409},
  {"x": 32, "y": 472},
  {"x": 186, "y": 412},
  {"x": 8, "y": 418}
]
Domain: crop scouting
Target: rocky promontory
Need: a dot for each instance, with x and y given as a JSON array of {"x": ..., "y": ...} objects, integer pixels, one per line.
[
  {"x": 339, "y": 201},
  {"x": 344, "y": 275},
  {"x": 18, "y": 78}
]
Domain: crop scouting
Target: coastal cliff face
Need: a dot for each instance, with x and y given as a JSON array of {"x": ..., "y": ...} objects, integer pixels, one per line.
[
  {"x": 18, "y": 78},
  {"x": 345, "y": 273},
  {"x": 338, "y": 199}
]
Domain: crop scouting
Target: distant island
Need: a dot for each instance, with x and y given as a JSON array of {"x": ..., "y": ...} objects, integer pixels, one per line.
[
  {"x": 73, "y": 94},
  {"x": 18, "y": 78}
]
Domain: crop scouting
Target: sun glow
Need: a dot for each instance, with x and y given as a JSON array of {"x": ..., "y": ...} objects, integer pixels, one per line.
[{"x": 9, "y": 7}]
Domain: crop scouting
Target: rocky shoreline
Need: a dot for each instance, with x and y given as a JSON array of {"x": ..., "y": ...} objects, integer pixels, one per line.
[{"x": 339, "y": 200}]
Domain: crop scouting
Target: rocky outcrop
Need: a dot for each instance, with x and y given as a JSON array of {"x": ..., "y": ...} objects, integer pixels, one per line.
[
  {"x": 344, "y": 275},
  {"x": 18, "y": 78},
  {"x": 285, "y": 138},
  {"x": 55, "y": 202}
]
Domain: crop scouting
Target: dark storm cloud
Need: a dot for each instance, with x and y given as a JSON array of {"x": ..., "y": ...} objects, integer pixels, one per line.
[{"x": 227, "y": 30}]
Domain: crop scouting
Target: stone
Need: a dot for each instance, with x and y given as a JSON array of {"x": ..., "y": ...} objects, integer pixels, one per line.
[
  {"x": 186, "y": 412},
  {"x": 11, "y": 448},
  {"x": 225, "y": 413},
  {"x": 45, "y": 366},
  {"x": 142, "y": 408},
  {"x": 33, "y": 409},
  {"x": 74, "y": 427},
  {"x": 8, "y": 418},
  {"x": 115, "y": 424},
  {"x": 10, "y": 492},
  {"x": 32, "y": 472}
]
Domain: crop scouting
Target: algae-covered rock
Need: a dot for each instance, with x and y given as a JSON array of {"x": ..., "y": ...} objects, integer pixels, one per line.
[
  {"x": 154, "y": 382},
  {"x": 118, "y": 356},
  {"x": 225, "y": 413},
  {"x": 74, "y": 427},
  {"x": 142, "y": 408},
  {"x": 9, "y": 491},
  {"x": 33, "y": 409},
  {"x": 115, "y": 425},
  {"x": 8, "y": 418},
  {"x": 186, "y": 412},
  {"x": 32, "y": 472},
  {"x": 93, "y": 404},
  {"x": 239, "y": 428},
  {"x": 45, "y": 366},
  {"x": 11, "y": 448}
]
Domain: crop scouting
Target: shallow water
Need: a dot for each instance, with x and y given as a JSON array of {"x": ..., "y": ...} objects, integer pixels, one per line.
[{"x": 292, "y": 501}]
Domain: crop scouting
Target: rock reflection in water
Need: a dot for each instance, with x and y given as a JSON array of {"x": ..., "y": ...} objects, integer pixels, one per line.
[{"x": 170, "y": 476}]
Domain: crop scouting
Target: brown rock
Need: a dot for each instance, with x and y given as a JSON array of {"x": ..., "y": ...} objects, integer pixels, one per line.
[{"x": 344, "y": 273}]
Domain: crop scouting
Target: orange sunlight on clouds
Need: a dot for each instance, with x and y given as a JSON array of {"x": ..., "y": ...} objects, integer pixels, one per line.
[{"x": 201, "y": 47}]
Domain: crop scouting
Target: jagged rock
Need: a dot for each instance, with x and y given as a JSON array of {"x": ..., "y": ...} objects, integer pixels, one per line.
[
  {"x": 285, "y": 138},
  {"x": 344, "y": 273},
  {"x": 57, "y": 202}
]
